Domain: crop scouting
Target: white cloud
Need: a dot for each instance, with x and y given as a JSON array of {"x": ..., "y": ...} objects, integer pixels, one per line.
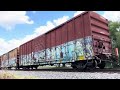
[
  {"x": 8, "y": 19},
  {"x": 6, "y": 46},
  {"x": 11, "y": 44},
  {"x": 112, "y": 15},
  {"x": 77, "y": 13},
  {"x": 43, "y": 29},
  {"x": 61, "y": 20}
]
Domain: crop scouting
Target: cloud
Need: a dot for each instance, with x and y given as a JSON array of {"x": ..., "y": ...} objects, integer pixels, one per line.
[
  {"x": 13, "y": 43},
  {"x": 77, "y": 13},
  {"x": 112, "y": 15},
  {"x": 8, "y": 19},
  {"x": 43, "y": 29},
  {"x": 61, "y": 20},
  {"x": 6, "y": 46}
]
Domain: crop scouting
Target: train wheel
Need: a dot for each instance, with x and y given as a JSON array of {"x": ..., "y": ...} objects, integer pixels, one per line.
[
  {"x": 102, "y": 65},
  {"x": 32, "y": 68},
  {"x": 73, "y": 65},
  {"x": 78, "y": 65},
  {"x": 94, "y": 64},
  {"x": 63, "y": 65},
  {"x": 36, "y": 67}
]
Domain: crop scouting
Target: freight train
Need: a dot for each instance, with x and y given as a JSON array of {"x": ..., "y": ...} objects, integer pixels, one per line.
[{"x": 83, "y": 41}]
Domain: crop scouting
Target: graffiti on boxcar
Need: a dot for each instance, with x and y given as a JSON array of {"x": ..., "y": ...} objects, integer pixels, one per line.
[
  {"x": 39, "y": 56},
  {"x": 58, "y": 50},
  {"x": 12, "y": 62},
  {"x": 53, "y": 56},
  {"x": 64, "y": 51},
  {"x": 48, "y": 54},
  {"x": 29, "y": 59},
  {"x": 36, "y": 56},
  {"x": 88, "y": 47},
  {"x": 24, "y": 60},
  {"x": 71, "y": 49},
  {"x": 79, "y": 49}
]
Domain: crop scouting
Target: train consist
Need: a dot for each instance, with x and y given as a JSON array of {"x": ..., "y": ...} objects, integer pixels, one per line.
[{"x": 83, "y": 41}]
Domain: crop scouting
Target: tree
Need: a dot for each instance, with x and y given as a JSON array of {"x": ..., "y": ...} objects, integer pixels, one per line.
[{"x": 114, "y": 28}]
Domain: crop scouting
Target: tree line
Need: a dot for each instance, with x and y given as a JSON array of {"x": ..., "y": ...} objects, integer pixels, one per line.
[{"x": 114, "y": 28}]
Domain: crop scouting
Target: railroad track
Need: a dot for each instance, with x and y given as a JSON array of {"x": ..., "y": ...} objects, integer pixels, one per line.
[{"x": 71, "y": 70}]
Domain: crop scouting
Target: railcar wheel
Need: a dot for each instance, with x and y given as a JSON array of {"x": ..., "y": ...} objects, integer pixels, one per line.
[
  {"x": 73, "y": 65},
  {"x": 102, "y": 65},
  {"x": 78, "y": 65},
  {"x": 36, "y": 67}
]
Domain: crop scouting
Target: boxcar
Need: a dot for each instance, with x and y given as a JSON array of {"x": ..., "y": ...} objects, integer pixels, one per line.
[
  {"x": 4, "y": 61},
  {"x": 13, "y": 58},
  {"x": 10, "y": 59},
  {"x": 83, "y": 41},
  {"x": 26, "y": 55}
]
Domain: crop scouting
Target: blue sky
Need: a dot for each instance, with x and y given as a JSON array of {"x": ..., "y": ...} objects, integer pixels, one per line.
[{"x": 18, "y": 27}]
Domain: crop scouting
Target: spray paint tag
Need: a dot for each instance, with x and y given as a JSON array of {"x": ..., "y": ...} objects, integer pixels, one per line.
[{"x": 81, "y": 57}]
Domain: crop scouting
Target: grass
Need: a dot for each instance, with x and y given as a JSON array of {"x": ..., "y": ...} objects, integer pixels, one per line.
[{"x": 7, "y": 75}]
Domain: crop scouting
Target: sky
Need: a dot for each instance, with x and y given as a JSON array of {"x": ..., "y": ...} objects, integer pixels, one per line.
[{"x": 18, "y": 27}]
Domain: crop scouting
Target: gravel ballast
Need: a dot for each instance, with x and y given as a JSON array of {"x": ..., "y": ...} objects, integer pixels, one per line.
[{"x": 65, "y": 75}]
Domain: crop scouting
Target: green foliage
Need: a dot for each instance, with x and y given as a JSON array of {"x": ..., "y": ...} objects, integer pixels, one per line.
[
  {"x": 114, "y": 28},
  {"x": 114, "y": 33}
]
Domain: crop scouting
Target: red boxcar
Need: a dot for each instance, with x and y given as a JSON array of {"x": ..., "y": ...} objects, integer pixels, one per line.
[
  {"x": 13, "y": 58},
  {"x": 25, "y": 54},
  {"x": 84, "y": 37},
  {"x": 82, "y": 41}
]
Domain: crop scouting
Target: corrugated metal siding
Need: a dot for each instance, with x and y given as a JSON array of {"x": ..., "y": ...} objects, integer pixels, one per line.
[
  {"x": 36, "y": 44},
  {"x": 98, "y": 17},
  {"x": 100, "y": 31},
  {"x": 13, "y": 57},
  {"x": 64, "y": 34},
  {"x": 13, "y": 53},
  {"x": 5, "y": 60},
  {"x": 38, "y": 41},
  {"x": 58, "y": 36},
  {"x": 99, "y": 23},
  {"x": 86, "y": 20},
  {"x": 71, "y": 31},
  {"x": 22, "y": 53},
  {"x": 53, "y": 37},
  {"x": 48, "y": 40},
  {"x": 79, "y": 32},
  {"x": 25, "y": 52},
  {"x": 43, "y": 42}
]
